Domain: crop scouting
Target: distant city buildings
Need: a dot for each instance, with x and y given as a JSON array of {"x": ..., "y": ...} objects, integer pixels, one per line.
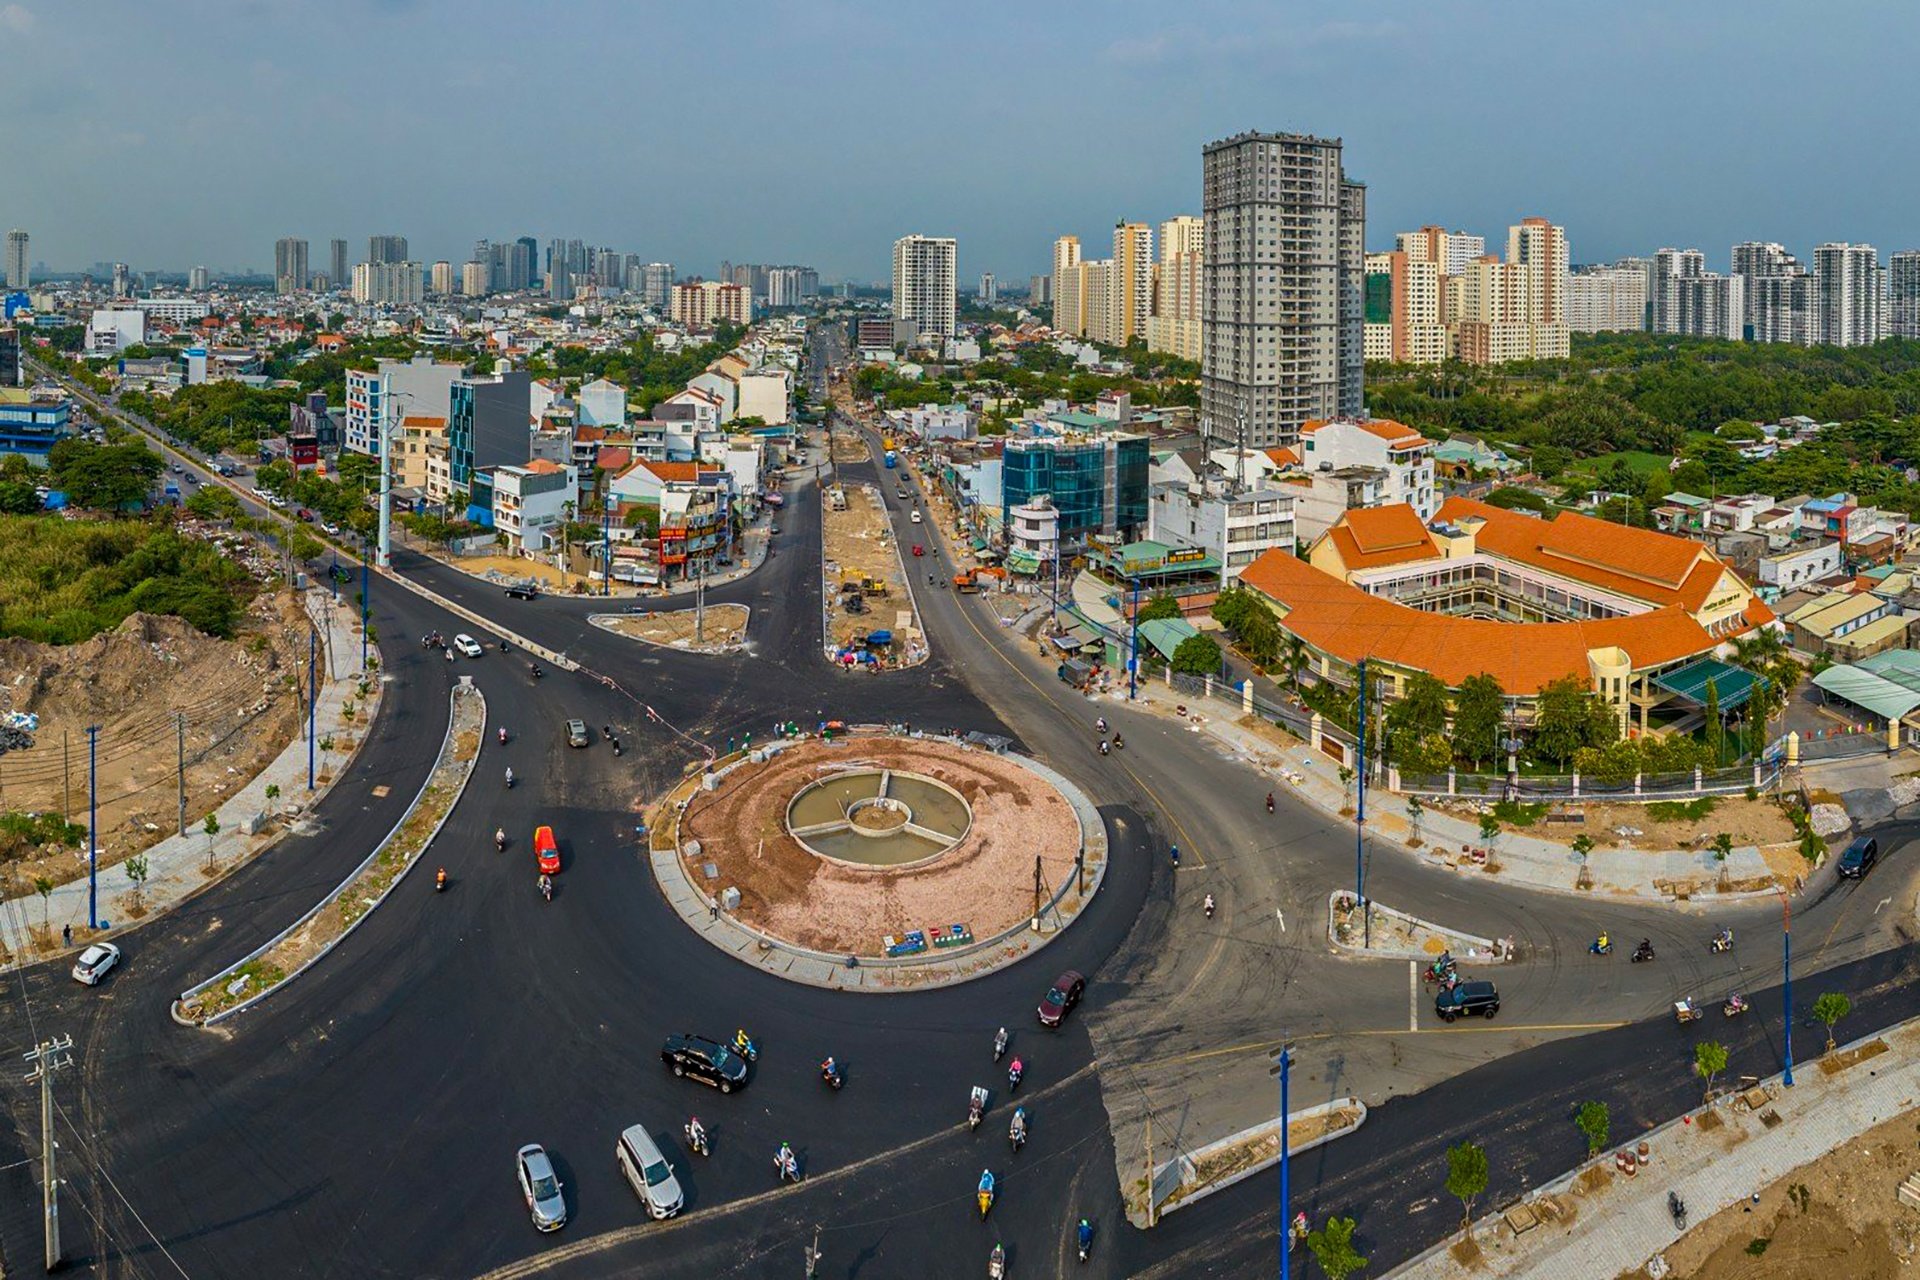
[
  {"x": 1608, "y": 299},
  {"x": 1179, "y": 281},
  {"x": 923, "y": 283},
  {"x": 389, "y": 283},
  {"x": 701, "y": 304},
  {"x": 1282, "y": 317},
  {"x": 1690, "y": 301},
  {"x": 1903, "y": 294},
  {"x": 440, "y": 278},
  {"x": 386, "y": 248},
  {"x": 16, "y": 264},
  {"x": 340, "y": 273},
  {"x": 989, "y": 289},
  {"x": 289, "y": 265},
  {"x": 199, "y": 280},
  {"x": 1850, "y": 288}
]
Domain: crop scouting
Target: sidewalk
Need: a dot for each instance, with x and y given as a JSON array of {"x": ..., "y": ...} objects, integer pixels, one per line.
[
  {"x": 176, "y": 865},
  {"x": 1605, "y": 1223},
  {"x": 1519, "y": 858}
]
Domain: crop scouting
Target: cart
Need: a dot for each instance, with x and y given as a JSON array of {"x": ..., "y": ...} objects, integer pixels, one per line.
[{"x": 1685, "y": 1011}]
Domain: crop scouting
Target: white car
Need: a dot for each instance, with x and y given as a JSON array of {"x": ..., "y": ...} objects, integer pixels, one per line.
[
  {"x": 467, "y": 647},
  {"x": 915, "y": 517},
  {"x": 94, "y": 963}
]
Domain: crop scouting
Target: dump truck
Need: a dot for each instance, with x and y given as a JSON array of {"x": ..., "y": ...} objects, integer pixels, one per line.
[{"x": 966, "y": 582}]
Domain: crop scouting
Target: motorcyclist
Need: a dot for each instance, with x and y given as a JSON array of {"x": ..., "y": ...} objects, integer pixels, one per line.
[
  {"x": 1269, "y": 802},
  {"x": 1118, "y": 742},
  {"x": 499, "y": 837},
  {"x": 1085, "y": 1233},
  {"x": 1723, "y": 941},
  {"x": 1737, "y": 1003},
  {"x": 546, "y": 886},
  {"x": 1100, "y": 725},
  {"x": 696, "y": 1135},
  {"x": 999, "y": 1043},
  {"x": 743, "y": 1043},
  {"x": 1602, "y": 944},
  {"x": 440, "y": 879},
  {"x": 1103, "y": 746},
  {"x": 537, "y": 672},
  {"x": 503, "y": 735},
  {"x": 1175, "y": 851},
  {"x": 509, "y": 775},
  {"x": 830, "y": 1070},
  {"x": 1017, "y": 1129},
  {"x": 1014, "y": 1071},
  {"x": 1209, "y": 906}
]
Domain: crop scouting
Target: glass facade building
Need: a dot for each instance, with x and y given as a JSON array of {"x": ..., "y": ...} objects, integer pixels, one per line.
[{"x": 1097, "y": 483}]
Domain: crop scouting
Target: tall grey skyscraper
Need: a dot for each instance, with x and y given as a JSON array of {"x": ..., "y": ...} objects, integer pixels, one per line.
[
  {"x": 656, "y": 284},
  {"x": 1690, "y": 300},
  {"x": 1849, "y": 285},
  {"x": 122, "y": 280},
  {"x": 340, "y": 271},
  {"x": 923, "y": 283},
  {"x": 16, "y": 259},
  {"x": 198, "y": 279},
  {"x": 386, "y": 248},
  {"x": 1283, "y": 304},
  {"x": 1754, "y": 261},
  {"x": 1903, "y": 294},
  {"x": 289, "y": 265}
]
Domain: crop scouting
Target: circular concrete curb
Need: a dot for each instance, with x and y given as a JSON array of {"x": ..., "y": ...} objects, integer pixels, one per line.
[
  {"x": 604, "y": 622},
  {"x": 885, "y": 975}
]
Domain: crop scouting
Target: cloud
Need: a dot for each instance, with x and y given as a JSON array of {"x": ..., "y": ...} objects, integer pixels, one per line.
[
  {"x": 1195, "y": 44},
  {"x": 16, "y": 18}
]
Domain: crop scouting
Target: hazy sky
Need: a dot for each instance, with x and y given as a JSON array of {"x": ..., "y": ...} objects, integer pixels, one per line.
[{"x": 198, "y": 131}]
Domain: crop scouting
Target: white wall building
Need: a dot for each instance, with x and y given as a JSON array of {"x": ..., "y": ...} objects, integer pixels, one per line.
[
  {"x": 766, "y": 393},
  {"x": 1611, "y": 299},
  {"x": 1233, "y": 528},
  {"x": 1402, "y": 453},
  {"x": 1797, "y": 566},
  {"x": 1850, "y": 287},
  {"x": 923, "y": 283},
  {"x": 395, "y": 284},
  {"x": 115, "y": 329},
  {"x": 603, "y": 404},
  {"x": 1034, "y": 527},
  {"x": 420, "y": 387},
  {"x": 531, "y": 502}
]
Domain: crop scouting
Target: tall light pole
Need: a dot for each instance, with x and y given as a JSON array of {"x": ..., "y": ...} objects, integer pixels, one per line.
[
  {"x": 93, "y": 827},
  {"x": 606, "y": 538},
  {"x": 1283, "y": 1061},
  {"x": 46, "y": 1059},
  {"x": 1786, "y": 968},
  {"x": 1133, "y": 642},
  {"x": 366, "y": 604},
  {"x": 313, "y": 694},
  {"x": 1360, "y": 822}
]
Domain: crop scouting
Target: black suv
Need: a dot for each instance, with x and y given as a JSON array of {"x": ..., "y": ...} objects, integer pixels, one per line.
[
  {"x": 1859, "y": 857},
  {"x": 524, "y": 593},
  {"x": 1467, "y": 998},
  {"x": 705, "y": 1060}
]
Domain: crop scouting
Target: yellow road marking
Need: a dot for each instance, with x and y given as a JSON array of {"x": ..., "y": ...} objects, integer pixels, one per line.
[{"x": 1267, "y": 1046}]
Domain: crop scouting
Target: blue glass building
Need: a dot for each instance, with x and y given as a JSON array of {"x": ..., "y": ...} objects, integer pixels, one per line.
[{"x": 1098, "y": 483}]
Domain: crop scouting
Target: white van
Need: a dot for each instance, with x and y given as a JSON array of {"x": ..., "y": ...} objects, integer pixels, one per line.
[{"x": 648, "y": 1172}]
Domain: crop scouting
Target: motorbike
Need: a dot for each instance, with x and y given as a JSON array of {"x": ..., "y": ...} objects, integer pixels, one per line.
[
  {"x": 1103, "y": 747},
  {"x": 616, "y": 746},
  {"x": 1100, "y": 726},
  {"x": 546, "y": 887},
  {"x": 1735, "y": 1006},
  {"x": 504, "y": 647},
  {"x": 1000, "y": 1044},
  {"x": 997, "y": 1262},
  {"x": 1269, "y": 802},
  {"x": 1600, "y": 946},
  {"x": 744, "y": 1046},
  {"x": 440, "y": 880},
  {"x": 1118, "y": 742},
  {"x": 786, "y": 1164},
  {"x": 503, "y": 736},
  {"x": 1722, "y": 941},
  {"x": 976, "y": 1106},
  {"x": 696, "y": 1137},
  {"x": 1439, "y": 971},
  {"x": 1085, "y": 1233},
  {"x": 500, "y": 840},
  {"x": 1017, "y": 1131},
  {"x": 537, "y": 672},
  {"x": 985, "y": 1194},
  {"x": 1014, "y": 1072},
  {"x": 1642, "y": 952},
  {"x": 1678, "y": 1208},
  {"x": 1209, "y": 906},
  {"x": 509, "y": 779},
  {"x": 830, "y": 1072}
]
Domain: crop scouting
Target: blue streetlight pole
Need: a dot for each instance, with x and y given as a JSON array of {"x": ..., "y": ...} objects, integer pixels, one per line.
[
  {"x": 606, "y": 539},
  {"x": 1360, "y": 821},
  {"x": 1133, "y": 643},
  {"x": 366, "y": 601},
  {"x": 1285, "y": 1060},
  {"x": 1786, "y": 966},
  {"x": 313, "y": 693},
  {"x": 93, "y": 827}
]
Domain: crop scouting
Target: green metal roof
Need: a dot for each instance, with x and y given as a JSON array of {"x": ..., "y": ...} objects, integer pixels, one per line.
[
  {"x": 1889, "y": 694},
  {"x": 1023, "y": 561},
  {"x": 1731, "y": 685},
  {"x": 1165, "y": 634}
]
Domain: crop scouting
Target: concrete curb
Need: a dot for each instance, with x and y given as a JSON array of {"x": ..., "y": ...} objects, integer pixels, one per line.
[
  {"x": 559, "y": 660},
  {"x": 603, "y": 621},
  {"x": 334, "y": 896},
  {"x": 1191, "y": 1158},
  {"x": 1338, "y": 896},
  {"x": 824, "y": 969}
]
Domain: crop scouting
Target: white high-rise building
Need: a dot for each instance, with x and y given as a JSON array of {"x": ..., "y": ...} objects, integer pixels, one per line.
[
  {"x": 989, "y": 289},
  {"x": 1069, "y": 289},
  {"x": 923, "y": 283},
  {"x": 1607, "y": 299},
  {"x": 1782, "y": 308},
  {"x": 1179, "y": 278},
  {"x": 1691, "y": 301},
  {"x": 16, "y": 259},
  {"x": 1849, "y": 286},
  {"x": 476, "y": 279},
  {"x": 395, "y": 284},
  {"x": 289, "y": 265},
  {"x": 1450, "y": 251},
  {"x": 440, "y": 278},
  {"x": 1517, "y": 309},
  {"x": 1756, "y": 260},
  {"x": 656, "y": 284},
  {"x": 1282, "y": 320},
  {"x": 1903, "y": 294},
  {"x": 198, "y": 280}
]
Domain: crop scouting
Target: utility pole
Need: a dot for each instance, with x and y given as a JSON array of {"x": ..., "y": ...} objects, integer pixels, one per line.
[
  {"x": 1360, "y": 822},
  {"x": 180, "y": 763},
  {"x": 66, "y": 780},
  {"x": 1283, "y": 1064},
  {"x": 313, "y": 694},
  {"x": 700, "y": 603},
  {"x": 47, "y": 1058},
  {"x": 1786, "y": 969},
  {"x": 93, "y": 826},
  {"x": 366, "y": 605},
  {"x": 813, "y": 1254}
]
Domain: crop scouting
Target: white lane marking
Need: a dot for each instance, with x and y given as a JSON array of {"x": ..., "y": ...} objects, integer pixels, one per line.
[
  {"x": 1883, "y": 902},
  {"x": 1282, "y": 918},
  {"x": 1413, "y": 995}
]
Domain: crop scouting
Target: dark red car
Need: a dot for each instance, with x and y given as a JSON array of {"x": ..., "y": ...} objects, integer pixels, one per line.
[{"x": 1061, "y": 996}]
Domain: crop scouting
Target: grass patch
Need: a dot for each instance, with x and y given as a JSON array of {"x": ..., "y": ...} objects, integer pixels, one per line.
[
  {"x": 1682, "y": 810},
  {"x": 1516, "y": 814},
  {"x": 64, "y": 581}
]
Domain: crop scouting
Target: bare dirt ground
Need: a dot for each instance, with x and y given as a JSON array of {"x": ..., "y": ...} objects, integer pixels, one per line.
[
  {"x": 242, "y": 700},
  {"x": 724, "y": 627},
  {"x": 985, "y": 882},
  {"x": 859, "y": 542},
  {"x": 1838, "y": 1216},
  {"x": 847, "y": 446}
]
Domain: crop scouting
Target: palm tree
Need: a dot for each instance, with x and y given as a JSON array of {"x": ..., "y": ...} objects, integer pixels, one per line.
[
  {"x": 1294, "y": 655},
  {"x": 1764, "y": 655}
]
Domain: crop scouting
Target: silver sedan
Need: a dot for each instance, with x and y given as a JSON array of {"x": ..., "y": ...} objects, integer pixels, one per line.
[{"x": 541, "y": 1188}]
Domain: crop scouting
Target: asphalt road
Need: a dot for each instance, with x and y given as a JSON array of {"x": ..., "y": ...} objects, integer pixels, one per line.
[{"x": 362, "y": 1122}]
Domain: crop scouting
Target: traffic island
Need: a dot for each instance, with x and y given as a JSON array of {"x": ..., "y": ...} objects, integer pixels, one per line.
[
  {"x": 1197, "y": 1174},
  {"x": 878, "y": 861},
  {"x": 307, "y": 940},
  {"x": 870, "y": 622},
  {"x": 1395, "y": 935},
  {"x": 714, "y": 629}
]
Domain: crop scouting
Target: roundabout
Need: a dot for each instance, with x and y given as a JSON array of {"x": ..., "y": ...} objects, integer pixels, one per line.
[{"x": 889, "y": 851}]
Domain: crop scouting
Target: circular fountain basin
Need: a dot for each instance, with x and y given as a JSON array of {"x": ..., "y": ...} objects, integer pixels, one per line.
[{"x": 878, "y": 818}]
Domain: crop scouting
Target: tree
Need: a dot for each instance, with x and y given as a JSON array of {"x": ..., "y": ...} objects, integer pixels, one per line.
[
  {"x": 1722, "y": 846},
  {"x": 103, "y": 477},
  {"x": 1293, "y": 654},
  {"x": 1489, "y": 827},
  {"x": 1347, "y": 776},
  {"x": 44, "y": 887},
  {"x": 212, "y": 827},
  {"x": 1466, "y": 1178},
  {"x": 1716, "y": 728},
  {"x": 1709, "y": 1060},
  {"x": 1829, "y": 1009},
  {"x": 1414, "y": 812},
  {"x": 17, "y": 497},
  {"x": 1479, "y": 710},
  {"x": 1159, "y": 605},
  {"x": 1333, "y": 1249},
  {"x": 1564, "y": 720},
  {"x": 1197, "y": 655},
  {"x": 137, "y": 868},
  {"x": 214, "y": 502},
  {"x": 1230, "y": 608},
  {"x": 1595, "y": 1121},
  {"x": 1583, "y": 845}
]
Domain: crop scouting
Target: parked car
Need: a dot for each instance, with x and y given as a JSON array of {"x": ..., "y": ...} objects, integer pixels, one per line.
[
  {"x": 577, "y": 734},
  {"x": 1859, "y": 857},
  {"x": 94, "y": 963},
  {"x": 466, "y": 646},
  {"x": 540, "y": 1186},
  {"x": 527, "y": 592},
  {"x": 648, "y": 1172},
  {"x": 705, "y": 1060},
  {"x": 1061, "y": 997},
  {"x": 546, "y": 851},
  {"x": 1467, "y": 998}
]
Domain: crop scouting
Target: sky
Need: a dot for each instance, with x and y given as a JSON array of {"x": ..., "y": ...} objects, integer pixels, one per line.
[{"x": 816, "y": 132}]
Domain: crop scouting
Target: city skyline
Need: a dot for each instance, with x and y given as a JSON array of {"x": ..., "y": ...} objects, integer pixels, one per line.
[{"x": 1626, "y": 173}]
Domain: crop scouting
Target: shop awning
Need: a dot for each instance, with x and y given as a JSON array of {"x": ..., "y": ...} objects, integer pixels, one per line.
[{"x": 1022, "y": 561}]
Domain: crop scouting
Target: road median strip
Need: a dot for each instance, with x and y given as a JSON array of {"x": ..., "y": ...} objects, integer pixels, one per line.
[{"x": 307, "y": 940}]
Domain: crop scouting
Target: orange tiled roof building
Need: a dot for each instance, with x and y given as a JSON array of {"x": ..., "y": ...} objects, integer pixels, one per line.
[{"x": 1526, "y": 600}]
